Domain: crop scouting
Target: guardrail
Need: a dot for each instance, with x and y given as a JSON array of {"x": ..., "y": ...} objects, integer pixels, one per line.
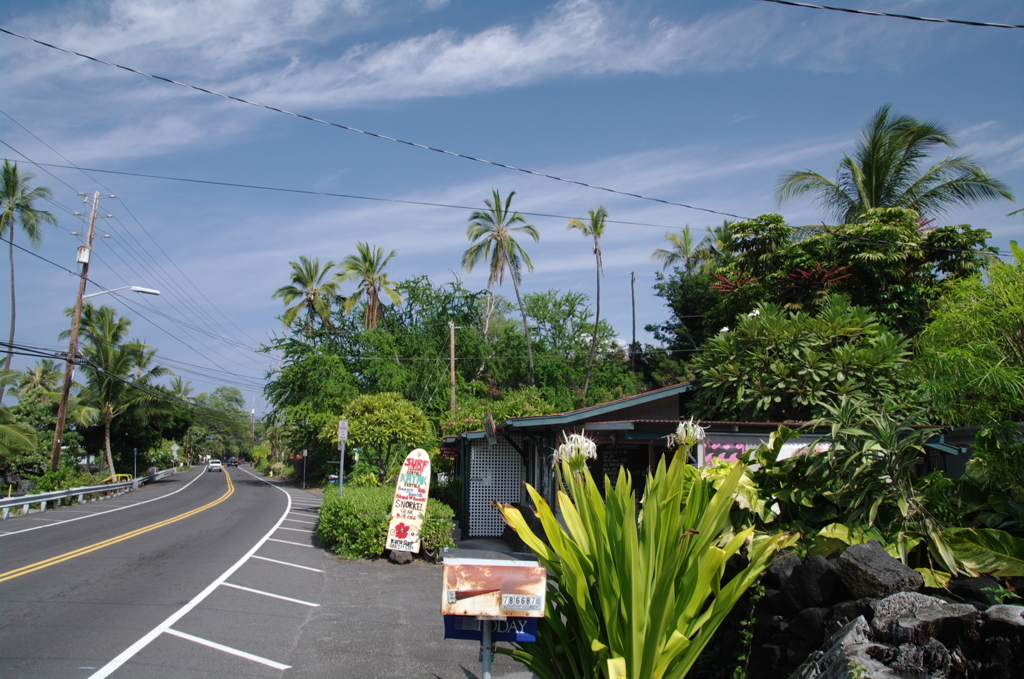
[{"x": 42, "y": 499}]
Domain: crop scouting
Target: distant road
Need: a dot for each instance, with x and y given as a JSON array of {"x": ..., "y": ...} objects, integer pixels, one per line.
[{"x": 198, "y": 575}]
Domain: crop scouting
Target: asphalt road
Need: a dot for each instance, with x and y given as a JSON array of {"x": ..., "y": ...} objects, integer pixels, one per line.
[{"x": 213, "y": 575}]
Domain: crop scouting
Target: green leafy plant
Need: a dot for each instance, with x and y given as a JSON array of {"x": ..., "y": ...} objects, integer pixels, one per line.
[
  {"x": 1001, "y": 594},
  {"x": 636, "y": 597},
  {"x": 355, "y": 524},
  {"x": 987, "y": 551}
]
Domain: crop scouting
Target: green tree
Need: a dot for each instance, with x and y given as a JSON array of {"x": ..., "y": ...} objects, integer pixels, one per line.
[
  {"x": 313, "y": 292},
  {"x": 118, "y": 372},
  {"x": 886, "y": 171},
  {"x": 221, "y": 424},
  {"x": 383, "y": 428},
  {"x": 594, "y": 228},
  {"x": 680, "y": 251},
  {"x": 18, "y": 442},
  {"x": 43, "y": 375},
  {"x": 491, "y": 234},
  {"x": 368, "y": 267},
  {"x": 778, "y": 366},
  {"x": 970, "y": 358},
  {"x": 17, "y": 200}
]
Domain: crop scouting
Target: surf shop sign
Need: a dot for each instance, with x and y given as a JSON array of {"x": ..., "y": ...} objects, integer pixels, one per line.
[{"x": 410, "y": 504}]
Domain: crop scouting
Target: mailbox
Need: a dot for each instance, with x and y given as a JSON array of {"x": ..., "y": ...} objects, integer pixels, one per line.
[{"x": 493, "y": 588}]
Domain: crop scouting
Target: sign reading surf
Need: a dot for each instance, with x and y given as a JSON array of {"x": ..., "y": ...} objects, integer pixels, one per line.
[{"x": 410, "y": 504}]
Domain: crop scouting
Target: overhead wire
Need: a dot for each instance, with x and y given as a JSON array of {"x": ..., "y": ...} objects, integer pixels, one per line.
[
  {"x": 983, "y": 24},
  {"x": 233, "y": 343},
  {"x": 167, "y": 282},
  {"x": 416, "y": 202},
  {"x": 368, "y": 133}
]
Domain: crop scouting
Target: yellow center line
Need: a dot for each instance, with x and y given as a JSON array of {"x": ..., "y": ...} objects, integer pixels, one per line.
[{"x": 39, "y": 565}]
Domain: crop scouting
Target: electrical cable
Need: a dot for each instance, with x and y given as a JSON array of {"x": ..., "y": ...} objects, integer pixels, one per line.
[
  {"x": 369, "y": 133},
  {"x": 413, "y": 202},
  {"x": 165, "y": 282},
  {"x": 894, "y": 16}
]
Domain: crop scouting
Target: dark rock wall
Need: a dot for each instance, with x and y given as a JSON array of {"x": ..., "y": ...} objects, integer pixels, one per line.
[{"x": 867, "y": 601}]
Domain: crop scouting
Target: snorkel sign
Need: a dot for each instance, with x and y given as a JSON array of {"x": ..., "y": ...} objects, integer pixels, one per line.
[{"x": 410, "y": 503}]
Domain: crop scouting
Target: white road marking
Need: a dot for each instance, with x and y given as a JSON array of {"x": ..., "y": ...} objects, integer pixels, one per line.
[
  {"x": 311, "y": 523},
  {"x": 297, "y": 530},
  {"x": 285, "y": 563},
  {"x": 228, "y": 649},
  {"x": 116, "y": 509},
  {"x": 297, "y": 544},
  {"x": 132, "y": 650},
  {"x": 276, "y": 596}
]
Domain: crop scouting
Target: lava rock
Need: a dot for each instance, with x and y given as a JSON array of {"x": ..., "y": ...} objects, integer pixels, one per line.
[
  {"x": 776, "y": 602},
  {"x": 867, "y": 570},
  {"x": 953, "y": 625},
  {"x": 776, "y": 575},
  {"x": 809, "y": 625},
  {"x": 889, "y": 610},
  {"x": 845, "y": 611},
  {"x": 396, "y": 556},
  {"x": 973, "y": 589},
  {"x": 932, "y": 659},
  {"x": 812, "y": 584}
]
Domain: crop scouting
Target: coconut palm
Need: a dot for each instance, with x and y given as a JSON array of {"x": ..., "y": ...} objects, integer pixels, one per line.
[
  {"x": 718, "y": 248},
  {"x": 111, "y": 364},
  {"x": 181, "y": 389},
  {"x": 593, "y": 229},
  {"x": 17, "y": 200},
  {"x": 309, "y": 285},
  {"x": 680, "y": 251},
  {"x": 368, "y": 267},
  {"x": 885, "y": 171},
  {"x": 490, "y": 233},
  {"x": 44, "y": 375}
]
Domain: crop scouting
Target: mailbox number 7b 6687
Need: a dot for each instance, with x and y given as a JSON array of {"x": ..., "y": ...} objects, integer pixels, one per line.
[{"x": 520, "y": 602}]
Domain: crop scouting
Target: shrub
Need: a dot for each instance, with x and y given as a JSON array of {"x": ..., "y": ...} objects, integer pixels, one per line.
[{"x": 355, "y": 524}]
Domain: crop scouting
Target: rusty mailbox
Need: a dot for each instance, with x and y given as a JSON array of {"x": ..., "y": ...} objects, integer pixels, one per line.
[{"x": 493, "y": 589}]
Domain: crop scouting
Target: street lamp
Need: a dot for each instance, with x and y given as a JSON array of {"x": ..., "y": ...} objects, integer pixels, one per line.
[{"x": 133, "y": 288}]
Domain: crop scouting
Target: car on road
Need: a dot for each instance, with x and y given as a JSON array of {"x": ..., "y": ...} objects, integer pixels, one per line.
[
  {"x": 232, "y": 461},
  {"x": 214, "y": 466}
]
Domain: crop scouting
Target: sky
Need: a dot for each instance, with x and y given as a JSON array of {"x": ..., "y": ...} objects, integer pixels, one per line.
[{"x": 696, "y": 103}]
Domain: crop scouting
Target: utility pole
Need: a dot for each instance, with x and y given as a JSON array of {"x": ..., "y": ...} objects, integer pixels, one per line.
[
  {"x": 76, "y": 321},
  {"x": 632, "y": 294},
  {"x": 451, "y": 361}
]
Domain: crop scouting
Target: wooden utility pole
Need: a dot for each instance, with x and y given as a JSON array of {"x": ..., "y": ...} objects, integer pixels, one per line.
[
  {"x": 632, "y": 294},
  {"x": 451, "y": 361},
  {"x": 76, "y": 321}
]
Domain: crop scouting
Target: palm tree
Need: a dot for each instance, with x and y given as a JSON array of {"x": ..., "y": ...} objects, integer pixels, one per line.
[
  {"x": 717, "y": 249},
  {"x": 111, "y": 363},
  {"x": 17, "y": 201},
  {"x": 44, "y": 375},
  {"x": 680, "y": 250},
  {"x": 490, "y": 233},
  {"x": 314, "y": 292},
  {"x": 885, "y": 171},
  {"x": 368, "y": 266},
  {"x": 594, "y": 229},
  {"x": 181, "y": 389}
]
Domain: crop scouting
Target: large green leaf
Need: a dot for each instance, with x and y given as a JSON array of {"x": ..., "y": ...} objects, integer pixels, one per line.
[{"x": 986, "y": 550}]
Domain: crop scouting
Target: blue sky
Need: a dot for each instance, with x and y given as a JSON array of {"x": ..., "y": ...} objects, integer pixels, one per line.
[{"x": 693, "y": 102}]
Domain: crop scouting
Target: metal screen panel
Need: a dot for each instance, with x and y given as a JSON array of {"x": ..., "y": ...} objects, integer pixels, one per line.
[{"x": 495, "y": 473}]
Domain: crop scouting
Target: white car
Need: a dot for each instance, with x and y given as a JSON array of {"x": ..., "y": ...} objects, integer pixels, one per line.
[{"x": 214, "y": 466}]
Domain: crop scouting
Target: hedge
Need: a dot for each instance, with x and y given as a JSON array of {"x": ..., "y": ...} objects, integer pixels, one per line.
[{"x": 355, "y": 524}]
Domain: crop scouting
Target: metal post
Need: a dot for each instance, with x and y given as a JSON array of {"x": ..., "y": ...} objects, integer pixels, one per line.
[
  {"x": 135, "y": 463},
  {"x": 487, "y": 649},
  {"x": 304, "y": 453},
  {"x": 341, "y": 467}
]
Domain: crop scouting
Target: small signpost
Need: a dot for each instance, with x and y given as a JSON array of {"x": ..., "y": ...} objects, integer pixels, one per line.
[
  {"x": 410, "y": 503},
  {"x": 492, "y": 599},
  {"x": 342, "y": 437}
]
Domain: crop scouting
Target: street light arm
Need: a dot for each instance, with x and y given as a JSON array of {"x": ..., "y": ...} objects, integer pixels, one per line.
[{"x": 133, "y": 288}]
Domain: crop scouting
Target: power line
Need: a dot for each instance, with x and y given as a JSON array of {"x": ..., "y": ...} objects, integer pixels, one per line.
[
  {"x": 328, "y": 194},
  {"x": 894, "y": 16},
  {"x": 167, "y": 283},
  {"x": 372, "y": 134},
  {"x": 258, "y": 187}
]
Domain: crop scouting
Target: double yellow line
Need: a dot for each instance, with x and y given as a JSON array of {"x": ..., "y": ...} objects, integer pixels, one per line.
[{"x": 39, "y": 565}]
